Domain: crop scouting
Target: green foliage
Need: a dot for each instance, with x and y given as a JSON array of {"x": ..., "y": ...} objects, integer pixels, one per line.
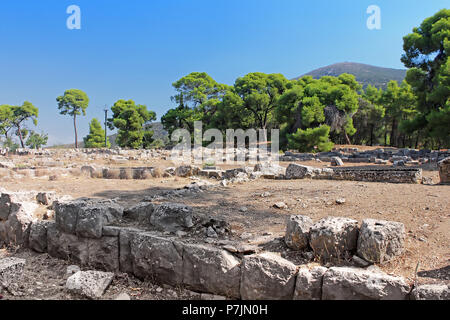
[
  {"x": 130, "y": 119},
  {"x": 74, "y": 103},
  {"x": 426, "y": 54},
  {"x": 157, "y": 144},
  {"x": 18, "y": 115},
  {"x": 10, "y": 144},
  {"x": 6, "y": 116},
  {"x": 96, "y": 136},
  {"x": 36, "y": 140},
  {"x": 311, "y": 139}
]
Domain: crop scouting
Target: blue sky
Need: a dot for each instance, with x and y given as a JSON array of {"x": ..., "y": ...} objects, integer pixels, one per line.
[{"x": 136, "y": 49}]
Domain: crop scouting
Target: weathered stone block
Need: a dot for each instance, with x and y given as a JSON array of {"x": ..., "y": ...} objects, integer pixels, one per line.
[
  {"x": 171, "y": 217},
  {"x": 334, "y": 237},
  {"x": 66, "y": 246},
  {"x": 308, "y": 285},
  {"x": 140, "y": 212},
  {"x": 444, "y": 170},
  {"x": 297, "y": 232},
  {"x": 431, "y": 292},
  {"x": 157, "y": 258},
  {"x": 296, "y": 171},
  {"x": 342, "y": 283},
  {"x": 380, "y": 241},
  {"x": 11, "y": 270},
  {"x": 91, "y": 284},
  {"x": 208, "y": 269},
  {"x": 267, "y": 276},
  {"x": 104, "y": 253},
  {"x": 38, "y": 236}
]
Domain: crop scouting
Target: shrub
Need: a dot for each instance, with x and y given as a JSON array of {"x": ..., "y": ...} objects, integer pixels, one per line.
[{"x": 311, "y": 139}]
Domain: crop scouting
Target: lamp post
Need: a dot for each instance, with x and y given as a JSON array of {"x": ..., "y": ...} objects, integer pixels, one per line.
[{"x": 106, "y": 121}]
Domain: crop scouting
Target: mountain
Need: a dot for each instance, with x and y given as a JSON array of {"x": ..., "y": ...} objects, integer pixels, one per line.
[{"x": 364, "y": 73}]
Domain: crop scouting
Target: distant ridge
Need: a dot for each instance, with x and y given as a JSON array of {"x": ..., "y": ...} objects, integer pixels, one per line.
[{"x": 364, "y": 73}]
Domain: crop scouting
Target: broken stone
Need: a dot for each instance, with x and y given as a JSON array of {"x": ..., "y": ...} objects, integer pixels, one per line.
[
  {"x": 156, "y": 257},
  {"x": 297, "y": 232},
  {"x": 296, "y": 171},
  {"x": 380, "y": 241},
  {"x": 280, "y": 205},
  {"x": 172, "y": 217},
  {"x": 267, "y": 276},
  {"x": 340, "y": 201},
  {"x": 309, "y": 283},
  {"x": 343, "y": 283},
  {"x": 140, "y": 212},
  {"x": 208, "y": 269},
  {"x": 91, "y": 284},
  {"x": 444, "y": 170},
  {"x": 46, "y": 198},
  {"x": 334, "y": 237},
  {"x": 11, "y": 270},
  {"x": 336, "y": 162},
  {"x": 431, "y": 292},
  {"x": 72, "y": 269},
  {"x": 38, "y": 236},
  {"x": 122, "y": 296}
]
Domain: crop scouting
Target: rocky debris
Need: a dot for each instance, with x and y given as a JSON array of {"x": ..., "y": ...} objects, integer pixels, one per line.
[
  {"x": 296, "y": 171},
  {"x": 336, "y": 162},
  {"x": 7, "y": 164},
  {"x": 343, "y": 283},
  {"x": 267, "y": 276},
  {"x": 86, "y": 217},
  {"x": 7, "y": 199},
  {"x": 309, "y": 283},
  {"x": 269, "y": 170},
  {"x": 91, "y": 284},
  {"x": 360, "y": 262},
  {"x": 334, "y": 237},
  {"x": 172, "y": 217},
  {"x": 431, "y": 292},
  {"x": 156, "y": 257},
  {"x": 186, "y": 171},
  {"x": 380, "y": 241},
  {"x": 122, "y": 296},
  {"x": 16, "y": 229},
  {"x": 90, "y": 171},
  {"x": 208, "y": 269},
  {"x": 140, "y": 212},
  {"x": 444, "y": 170},
  {"x": 38, "y": 236},
  {"x": 297, "y": 232},
  {"x": 211, "y": 173},
  {"x": 238, "y": 173},
  {"x": 340, "y": 201},
  {"x": 280, "y": 205},
  {"x": 46, "y": 198},
  {"x": 399, "y": 163},
  {"x": 11, "y": 270},
  {"x": 72, "y": 269}
]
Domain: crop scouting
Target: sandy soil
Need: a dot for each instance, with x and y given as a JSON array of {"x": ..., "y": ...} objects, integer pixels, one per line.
[{"x": 424, "y": 209}]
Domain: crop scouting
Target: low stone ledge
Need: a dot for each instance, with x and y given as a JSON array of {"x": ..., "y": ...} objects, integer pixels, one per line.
[
  {"x": 211, "y": 270},
  {"x": 342, "y": 283},
  {"x": 267, "y": 276}
]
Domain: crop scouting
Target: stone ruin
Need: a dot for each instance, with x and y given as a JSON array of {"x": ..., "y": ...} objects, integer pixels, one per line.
[{"x": 155, "y": 240}]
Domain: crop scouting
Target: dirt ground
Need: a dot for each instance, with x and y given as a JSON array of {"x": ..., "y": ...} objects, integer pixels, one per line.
[{"x": 249, "y": 208}]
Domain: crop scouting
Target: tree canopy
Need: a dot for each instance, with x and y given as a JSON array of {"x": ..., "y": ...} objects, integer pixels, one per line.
[{"x": 96, "y": 136}]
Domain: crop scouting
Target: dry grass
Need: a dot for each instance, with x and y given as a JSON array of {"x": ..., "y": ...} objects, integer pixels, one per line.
[{"x": 113, "y": 174}]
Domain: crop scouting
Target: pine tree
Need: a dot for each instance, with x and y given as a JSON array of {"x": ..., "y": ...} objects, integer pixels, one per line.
[{"x": 96, "y": 136}]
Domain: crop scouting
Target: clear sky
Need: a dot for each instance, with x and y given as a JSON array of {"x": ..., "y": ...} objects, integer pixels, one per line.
[{"x": 136, "y": 49}]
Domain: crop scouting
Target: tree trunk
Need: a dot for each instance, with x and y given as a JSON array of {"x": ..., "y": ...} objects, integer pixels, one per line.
[
  {"x": 75, "y": 127},
  {"x": 20, "y": 136},
  {"x": 393, "y": 141},
  {"x": 371, "y": 135},
  {"x": 347, "y": 138}
]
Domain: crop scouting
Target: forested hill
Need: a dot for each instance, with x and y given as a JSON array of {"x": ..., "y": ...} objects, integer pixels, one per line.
[{"x": 364, "y": 73}]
